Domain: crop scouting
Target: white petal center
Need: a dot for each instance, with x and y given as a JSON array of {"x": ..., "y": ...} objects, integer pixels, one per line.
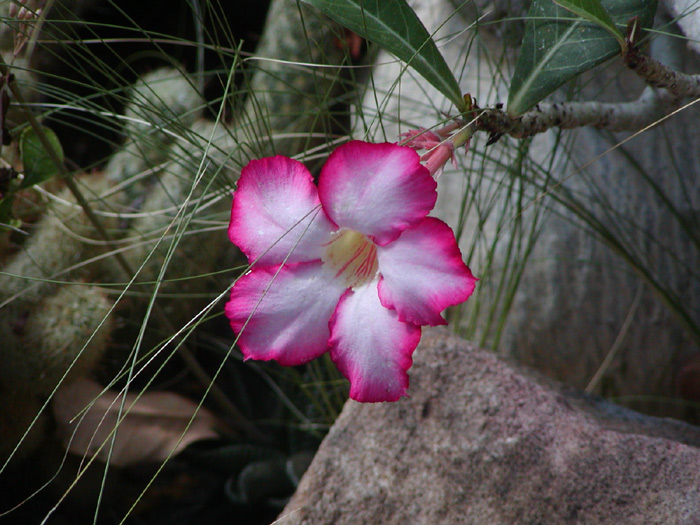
[{"x": 352, "y": 257}]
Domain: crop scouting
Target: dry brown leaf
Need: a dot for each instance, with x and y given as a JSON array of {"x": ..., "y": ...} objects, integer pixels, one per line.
[{"x": 151, "y": 430}]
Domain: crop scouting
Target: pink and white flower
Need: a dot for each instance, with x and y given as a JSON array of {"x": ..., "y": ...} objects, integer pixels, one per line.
[
  {"x": 439, "y": 145},
  {"x": 354, "y": 267}
]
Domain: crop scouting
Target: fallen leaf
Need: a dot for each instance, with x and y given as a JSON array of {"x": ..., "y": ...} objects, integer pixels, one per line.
[{"x": 153, "y": 427}]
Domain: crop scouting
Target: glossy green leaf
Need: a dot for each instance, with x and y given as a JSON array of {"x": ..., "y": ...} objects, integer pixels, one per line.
[
  {"x": 392, "y": 25},
  {"x": 558, "y": 46},
  {"x": 593, "y": 11},
  {"x": 38, "y": 165}
]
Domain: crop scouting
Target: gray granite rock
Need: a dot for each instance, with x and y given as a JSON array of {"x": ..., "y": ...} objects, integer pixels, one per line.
[{"x": 484, "y": 441}]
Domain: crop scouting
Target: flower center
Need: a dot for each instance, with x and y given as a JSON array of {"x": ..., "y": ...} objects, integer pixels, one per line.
[{"x": 352, "y": 256}]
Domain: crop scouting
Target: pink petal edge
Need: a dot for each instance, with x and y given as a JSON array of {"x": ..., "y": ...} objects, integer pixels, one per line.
[
  {"x": 371, "y": 347},
  {"x": 275, "y": 204},
  {"x": 290, "y": 322},
  {"x": 423, "y": 273},
  {"x": 376, "y": 189}
]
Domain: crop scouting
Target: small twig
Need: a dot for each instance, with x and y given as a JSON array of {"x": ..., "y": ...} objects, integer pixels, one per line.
[
  {"x": 654, "y": 72},
  {"x": 665, "y": 92},
  {"x": 622, "y": 116},
  {"x": 658, "y": 75}
]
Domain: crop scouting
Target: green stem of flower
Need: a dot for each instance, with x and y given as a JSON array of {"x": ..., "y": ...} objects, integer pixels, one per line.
[{"x": 463, "y": 136}]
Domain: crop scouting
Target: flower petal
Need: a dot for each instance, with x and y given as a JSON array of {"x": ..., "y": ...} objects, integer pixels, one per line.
[
  {"x": 423, "y": 273},
  {"x": 284, "y": 314},
  {"x": 371, "y": 347},
  {"x": 420, "y": 138},
  {"x": 275, "y": 204},
  {"x": 378, "y": 190}
]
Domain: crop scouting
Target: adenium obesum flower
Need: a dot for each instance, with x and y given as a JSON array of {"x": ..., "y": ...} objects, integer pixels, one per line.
[
  {"x": 439, "y": 145},
  {"x": 353, "y": 267}
]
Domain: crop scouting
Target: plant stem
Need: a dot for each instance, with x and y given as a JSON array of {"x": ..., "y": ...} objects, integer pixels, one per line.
[
  {"x": 659, "y": 75},
  {"x": 654, "y": 72},
  {"x": 622, "y": 116}
]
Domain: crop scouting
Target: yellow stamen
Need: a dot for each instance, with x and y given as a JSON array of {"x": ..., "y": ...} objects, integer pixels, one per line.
[{"x": 352, "y": 256}]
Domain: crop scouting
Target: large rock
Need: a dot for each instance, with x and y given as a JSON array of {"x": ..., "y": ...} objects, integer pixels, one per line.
[{"x": 483, "y": 441}]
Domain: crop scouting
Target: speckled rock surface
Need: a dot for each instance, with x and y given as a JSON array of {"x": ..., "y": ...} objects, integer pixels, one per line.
[{"x": 483, "y": 441}]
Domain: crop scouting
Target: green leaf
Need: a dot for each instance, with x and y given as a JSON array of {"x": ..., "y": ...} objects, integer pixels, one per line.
[
  {"x": 6, "y": 218},
  {"x": 559, "y": 46},
  {"x": 593, "y": 11},
  {"x": 392, "y": 25},
  {"x": 38, "y": 165}
]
